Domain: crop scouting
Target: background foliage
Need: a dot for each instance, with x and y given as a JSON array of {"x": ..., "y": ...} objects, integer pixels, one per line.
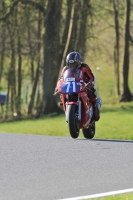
[{"x": 35, "y": 37}]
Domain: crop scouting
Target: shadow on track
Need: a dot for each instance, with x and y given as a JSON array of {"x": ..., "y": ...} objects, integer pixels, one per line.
[{"x": 107, "y": 140}]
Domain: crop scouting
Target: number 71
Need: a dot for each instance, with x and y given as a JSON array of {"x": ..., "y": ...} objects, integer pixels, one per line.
[{"x": 69, "y": 86}]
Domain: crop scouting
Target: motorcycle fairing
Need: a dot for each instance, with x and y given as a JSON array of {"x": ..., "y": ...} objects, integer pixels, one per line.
[{"x": 72, "y": 82}]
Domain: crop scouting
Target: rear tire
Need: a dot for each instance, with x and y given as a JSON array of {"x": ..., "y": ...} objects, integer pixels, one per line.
[
  {"x": 89, "y": 133},
  {"x": 73, "y": 123}
]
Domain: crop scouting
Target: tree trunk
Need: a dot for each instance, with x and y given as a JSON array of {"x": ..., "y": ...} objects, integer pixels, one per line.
[
  {"x": 75, "y": 27},
  {"x": 117, "y": 46},
  {"x": 31, "y": 53},
  {"x": 35, "y": 83},
  {"x": 19, "y": 64},
  {"x": 18, "y": 102},
  {"x": 3, "y": 40},
  {"x": 12, "y": 72},
  {"x": 67, "y": 32},
  {"x": 126, "y": 96},
  {"x": 51, "y": 55},
  {"x": 85, "y": 9}
]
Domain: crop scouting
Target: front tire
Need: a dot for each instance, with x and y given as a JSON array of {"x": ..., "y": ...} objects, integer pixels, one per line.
[
  {"x": 73, "y": 123},
  {"x": 89, "y": 133}
]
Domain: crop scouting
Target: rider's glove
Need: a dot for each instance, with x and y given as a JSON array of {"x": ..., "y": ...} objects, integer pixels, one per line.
[{"x": 90, "y": 85}]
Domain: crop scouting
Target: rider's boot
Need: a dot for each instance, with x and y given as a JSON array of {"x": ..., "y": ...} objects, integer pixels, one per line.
[
  {"x": 96, "y": 104},
  {"x": 97, "y": 109}
]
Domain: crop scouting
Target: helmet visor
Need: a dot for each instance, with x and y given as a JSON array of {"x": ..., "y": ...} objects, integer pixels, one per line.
[
  {"x": 73, "y": 65},
  {"x": 71, "y": 61}
]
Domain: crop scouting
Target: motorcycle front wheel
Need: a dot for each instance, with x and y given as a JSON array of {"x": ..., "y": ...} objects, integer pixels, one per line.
[
  {"x": 89, "y": 133},
  {"x": 73, "y": 123}
]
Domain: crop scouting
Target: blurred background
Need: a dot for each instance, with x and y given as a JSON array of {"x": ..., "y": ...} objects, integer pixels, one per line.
[{"x": 37, "y": 35}]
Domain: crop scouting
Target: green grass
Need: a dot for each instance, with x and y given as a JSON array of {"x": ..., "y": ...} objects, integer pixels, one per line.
[
  {"x": 115, "y": 123},
  {"x": 117, "y": 197},
  {"x": 46, "y": 126}
]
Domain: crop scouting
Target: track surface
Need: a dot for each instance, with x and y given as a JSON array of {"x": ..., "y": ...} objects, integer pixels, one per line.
[{"x": 48, "y": 168}]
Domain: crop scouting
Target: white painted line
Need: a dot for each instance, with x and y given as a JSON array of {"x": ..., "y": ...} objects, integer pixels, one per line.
[{"x": 100, "y": 195}]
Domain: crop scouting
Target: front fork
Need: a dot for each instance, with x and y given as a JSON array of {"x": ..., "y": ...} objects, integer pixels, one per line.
[
  {"x": 78, "y": 103},
  {"x": 79, "y": 110}
]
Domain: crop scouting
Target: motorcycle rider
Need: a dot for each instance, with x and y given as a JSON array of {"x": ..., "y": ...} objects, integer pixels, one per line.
[{"x": 73, "y": 60}]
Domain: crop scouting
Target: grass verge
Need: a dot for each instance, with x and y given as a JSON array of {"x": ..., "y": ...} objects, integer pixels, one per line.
[
  {"x": 115, "y": 123},
  {"x": 117, "y": 197}
]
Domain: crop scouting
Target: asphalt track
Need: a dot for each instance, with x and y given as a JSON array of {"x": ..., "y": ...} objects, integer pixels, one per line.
[{"x": 49, "y": 168}]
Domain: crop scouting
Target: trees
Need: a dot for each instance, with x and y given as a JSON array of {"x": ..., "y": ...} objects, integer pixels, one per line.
[
  {"x": 126, "y": 94},
  {"x": 39, "y": 34}
]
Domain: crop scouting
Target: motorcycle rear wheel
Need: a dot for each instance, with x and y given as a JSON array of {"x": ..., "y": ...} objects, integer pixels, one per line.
[
  {"x": 89, "y": 133},
  {"x": 73, "y": 123}
]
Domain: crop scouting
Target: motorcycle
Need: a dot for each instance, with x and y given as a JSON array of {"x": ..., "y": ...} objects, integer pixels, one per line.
[{"x": 77, "y": 106}]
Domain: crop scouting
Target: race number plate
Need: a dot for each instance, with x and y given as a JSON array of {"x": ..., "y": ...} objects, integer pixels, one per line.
[{"x": 70, "y": 79}]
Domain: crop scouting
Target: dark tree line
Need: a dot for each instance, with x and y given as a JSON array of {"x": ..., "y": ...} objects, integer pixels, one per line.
[{"x": 35, "y": 37}]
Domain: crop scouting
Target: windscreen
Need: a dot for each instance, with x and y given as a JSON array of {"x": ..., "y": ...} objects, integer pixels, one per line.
[{"x": 72, "y": 75}]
